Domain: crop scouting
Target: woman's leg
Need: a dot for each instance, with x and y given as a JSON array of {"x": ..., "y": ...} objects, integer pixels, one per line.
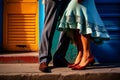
[
  {"x": 79, "y": 45},
  {"x": 87, "y": 56},
  {"x": 86, "y": 50}
]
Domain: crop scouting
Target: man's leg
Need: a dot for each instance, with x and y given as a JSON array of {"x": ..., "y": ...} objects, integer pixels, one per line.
[
  {"x": 53, "y": 9},
  {"x": 59, "y": 56},
  {"x": 50, "y": 23}
]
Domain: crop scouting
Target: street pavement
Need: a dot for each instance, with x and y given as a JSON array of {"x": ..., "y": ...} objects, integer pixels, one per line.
[{"x": 30, "y": 71}]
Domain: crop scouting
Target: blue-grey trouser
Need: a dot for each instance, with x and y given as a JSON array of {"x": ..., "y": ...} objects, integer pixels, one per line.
[{"x": 53, "y": 10}]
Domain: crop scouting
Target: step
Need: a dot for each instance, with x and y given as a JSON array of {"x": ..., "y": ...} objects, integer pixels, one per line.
[
  {"x": 31, "y": 72},
  {"x": 19, "y": 57}
]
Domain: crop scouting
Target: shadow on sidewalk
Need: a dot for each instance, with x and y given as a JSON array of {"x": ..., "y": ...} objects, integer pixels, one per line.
[{"x": 104, "y": 65}]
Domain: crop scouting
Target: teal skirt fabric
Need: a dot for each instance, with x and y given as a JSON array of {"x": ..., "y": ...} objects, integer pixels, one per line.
[{"x": 84, "y": 16}]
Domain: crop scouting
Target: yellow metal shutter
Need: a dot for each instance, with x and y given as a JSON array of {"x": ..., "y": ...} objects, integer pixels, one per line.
[{"x": 20, "y": 25}]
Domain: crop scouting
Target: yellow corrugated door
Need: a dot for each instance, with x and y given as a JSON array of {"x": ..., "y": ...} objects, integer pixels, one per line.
[{"x": 20, "y": 32}]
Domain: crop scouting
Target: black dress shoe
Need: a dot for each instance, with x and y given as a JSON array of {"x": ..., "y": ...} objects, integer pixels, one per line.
[{"x": 44, "y": 67}]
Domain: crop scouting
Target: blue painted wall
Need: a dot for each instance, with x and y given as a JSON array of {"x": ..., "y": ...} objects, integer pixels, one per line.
[
  {"x": 41, "y": 17},
  {"x": 110, "y": 12},
  {"x": 1, "y": 8}
]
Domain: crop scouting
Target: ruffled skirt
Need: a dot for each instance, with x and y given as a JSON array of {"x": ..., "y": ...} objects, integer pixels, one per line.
[{"x": 84, "y": 16}]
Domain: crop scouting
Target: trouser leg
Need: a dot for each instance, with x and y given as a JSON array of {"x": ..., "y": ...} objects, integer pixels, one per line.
[
  {"x": 53, "y": 10},
  {"x": 59, "y": 56}
]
